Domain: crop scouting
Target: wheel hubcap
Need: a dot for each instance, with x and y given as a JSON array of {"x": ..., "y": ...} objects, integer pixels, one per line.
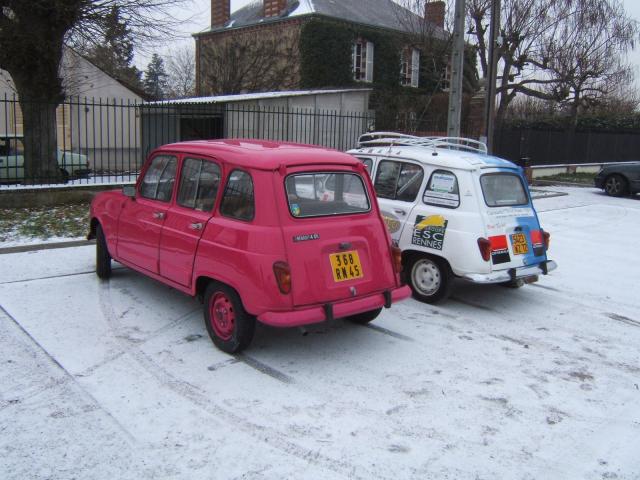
[
  {"x": 222, "y": 316},
  {"x": 613, "y": 185},
  {"x": 426, "y": 277}
]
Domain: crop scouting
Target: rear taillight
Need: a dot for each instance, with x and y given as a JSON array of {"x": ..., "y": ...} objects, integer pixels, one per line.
[
  {"x": 283, "y": 276},
  {"x": 396, "y": 253},
  {"x": 546, "y": 238},
  {"x": 485, "y": 249}
]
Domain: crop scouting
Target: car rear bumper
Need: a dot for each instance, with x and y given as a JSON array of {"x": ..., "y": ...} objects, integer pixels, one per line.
[
  {"x": 512, "y": 273},
  {"x": 329, "y": 311}
]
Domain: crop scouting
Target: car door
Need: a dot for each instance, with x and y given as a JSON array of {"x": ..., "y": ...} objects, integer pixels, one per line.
[
  {"x": 187, "y": 218},
  {"x": 511, "y": 221},
  {"x": 141, "y": 219},
  {"x": 397, "y": 184}
]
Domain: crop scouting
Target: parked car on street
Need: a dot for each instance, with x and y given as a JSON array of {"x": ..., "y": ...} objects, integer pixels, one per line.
[
  {"x": 619, "y": 179},
  {"x": 283, "y": 233},
  {"x": 71, "y": 164},
  {"x": 455, "y": 212}
]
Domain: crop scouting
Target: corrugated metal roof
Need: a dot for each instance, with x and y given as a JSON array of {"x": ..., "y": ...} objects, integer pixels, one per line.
[
  {"x": 255, "y": 96},
  {"x": 377, "y": 13}
]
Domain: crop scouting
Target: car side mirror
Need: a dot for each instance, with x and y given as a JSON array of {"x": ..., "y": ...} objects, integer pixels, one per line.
[{"x": 129, "y": 191}]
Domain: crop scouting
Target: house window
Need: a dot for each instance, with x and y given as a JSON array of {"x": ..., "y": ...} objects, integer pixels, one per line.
[
  {"x": 410, "y": 67},
  {"x": 446, "y": 81},
  {"x": 362, "y": 61}
]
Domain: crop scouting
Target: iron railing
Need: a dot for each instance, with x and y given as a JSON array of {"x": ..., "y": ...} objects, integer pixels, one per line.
[{"x": 102, "y": 141}]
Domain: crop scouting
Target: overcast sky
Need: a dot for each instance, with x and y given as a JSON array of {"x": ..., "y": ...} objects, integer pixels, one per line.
[{"x": 197, "y": 16}]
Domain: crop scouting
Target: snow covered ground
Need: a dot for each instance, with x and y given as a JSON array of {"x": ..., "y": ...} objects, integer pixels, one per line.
[{"x": 118, "y": 379}]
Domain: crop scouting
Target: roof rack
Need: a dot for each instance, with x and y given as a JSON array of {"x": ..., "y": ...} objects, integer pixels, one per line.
[{"x": 391, "y": 139}]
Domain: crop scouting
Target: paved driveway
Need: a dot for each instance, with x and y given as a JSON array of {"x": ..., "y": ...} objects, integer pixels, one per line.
[{"x": 118, "y": 379}]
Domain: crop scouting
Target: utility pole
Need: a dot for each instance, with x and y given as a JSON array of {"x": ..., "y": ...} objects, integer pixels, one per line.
[
  {"x": 457, "y": 66},
  {"x": 490, "y": 87}
]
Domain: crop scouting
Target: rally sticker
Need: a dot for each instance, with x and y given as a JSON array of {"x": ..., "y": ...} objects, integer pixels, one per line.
[
  {"x": 429, "y": 231},
  {"x": 499, "y": 249},
  {"x": 391, "y": 221}
]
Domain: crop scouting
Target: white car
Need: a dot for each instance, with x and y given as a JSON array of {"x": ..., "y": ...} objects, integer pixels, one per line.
[
  {"x": 71, "y": 164},
  {"x": 455, "y": 212}
]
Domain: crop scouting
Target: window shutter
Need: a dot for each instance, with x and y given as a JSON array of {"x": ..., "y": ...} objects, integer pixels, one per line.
[
  {"x": 354, "y": 54},
  {"x": 415, "y": 67},
  {"x": 369, "y": 71}
]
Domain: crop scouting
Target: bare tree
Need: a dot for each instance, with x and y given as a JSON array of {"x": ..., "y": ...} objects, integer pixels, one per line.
[
  {"x": 585, "y": 56},
  {"x": 181, "y": 67},
  {"x": 32, "y": 36},
  {"x": 249, "y": 63},
  {"x": 553, "y": 49}
]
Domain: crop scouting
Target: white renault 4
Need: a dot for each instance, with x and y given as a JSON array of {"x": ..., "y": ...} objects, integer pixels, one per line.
[{"x": 455, "y": 212}]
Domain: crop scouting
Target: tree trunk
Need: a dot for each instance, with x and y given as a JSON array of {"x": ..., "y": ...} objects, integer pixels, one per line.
[{"x": 40, "y": 143}]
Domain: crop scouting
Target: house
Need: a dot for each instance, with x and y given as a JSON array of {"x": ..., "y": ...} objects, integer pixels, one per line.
[{"x": 288, "y": 45}]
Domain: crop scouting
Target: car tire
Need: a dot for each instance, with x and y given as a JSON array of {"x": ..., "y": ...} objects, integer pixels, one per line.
[
  {"x": 430, "y": 278},
  {"x": 230, "y": 327},
  {"x": 103, "y": 258},
  {"x": 64, "y": 175},
  {"x": 616, "y": 185},
  {"x": 365, "y": 317}
]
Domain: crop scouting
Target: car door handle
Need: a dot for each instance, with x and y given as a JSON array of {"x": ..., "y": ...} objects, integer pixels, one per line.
[
  {"x": 196, "y": 226},
  {"x": 158, "y": 215},
  {"x": 399, "y": 212}
]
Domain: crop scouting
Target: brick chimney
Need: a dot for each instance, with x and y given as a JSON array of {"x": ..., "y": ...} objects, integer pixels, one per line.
[
  {"x": 273, "y": 8},
  {"x": 220, "y": 12},
  {"x": 434, "y": 12}
]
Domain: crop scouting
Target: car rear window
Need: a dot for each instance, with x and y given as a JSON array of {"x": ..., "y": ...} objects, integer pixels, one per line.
[
  {"x": 325, "y": 193},
  {"x": 503, "y": 190}
]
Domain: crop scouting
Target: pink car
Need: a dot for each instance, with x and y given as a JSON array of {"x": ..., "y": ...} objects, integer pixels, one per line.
[{"x": 283, "y": 233}]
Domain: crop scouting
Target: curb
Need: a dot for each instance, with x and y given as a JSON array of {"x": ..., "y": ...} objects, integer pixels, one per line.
[{"x": 46, "y": 246}]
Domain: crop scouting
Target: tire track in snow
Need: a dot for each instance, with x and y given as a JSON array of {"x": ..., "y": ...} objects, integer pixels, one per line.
[
  {"x": 195, "y": 395},
  {"x": 71, "y": 379}
]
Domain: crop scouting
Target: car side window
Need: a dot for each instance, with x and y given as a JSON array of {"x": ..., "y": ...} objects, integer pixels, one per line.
[
  {"x": 398, "y": 180},
  {"x": 442, "y": 190},
  {"x": 158, "y": 180},
  {"x": 237, "y": 200},
  {"x": 199, "y": 181},
  {"x": 368, "y": 163}
]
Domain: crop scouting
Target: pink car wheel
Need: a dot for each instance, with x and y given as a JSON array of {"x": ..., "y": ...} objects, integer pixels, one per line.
[{"x": 230, "y": 327}]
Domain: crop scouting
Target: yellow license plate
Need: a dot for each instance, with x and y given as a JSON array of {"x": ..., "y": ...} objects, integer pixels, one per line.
[
  {"x": 519, "y": 243},
  {"x": 345, "y": 266}
]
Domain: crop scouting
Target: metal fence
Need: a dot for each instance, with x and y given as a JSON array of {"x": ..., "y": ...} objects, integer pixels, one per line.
[
  {"x": 553, "y": 147},
  {"x": 106, "y": 141}
]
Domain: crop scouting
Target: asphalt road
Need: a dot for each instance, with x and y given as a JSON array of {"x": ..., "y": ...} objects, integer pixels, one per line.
[{"x": 118, "y": 379}]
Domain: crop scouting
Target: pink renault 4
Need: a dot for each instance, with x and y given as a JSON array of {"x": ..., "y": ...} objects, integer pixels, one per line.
[{"x": 283, "y": 233}]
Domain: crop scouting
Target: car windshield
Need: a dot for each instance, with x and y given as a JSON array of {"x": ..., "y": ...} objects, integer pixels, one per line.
[
  {"x": 503, "y": 190},
  {"x": 325, "y": 193}
]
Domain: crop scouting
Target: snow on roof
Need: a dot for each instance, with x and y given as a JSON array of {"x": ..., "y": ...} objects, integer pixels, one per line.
[
  {"x": 254, "y": 96},
  {"x": 376, "y": 13},
  {"x": 304, "y": 7}
]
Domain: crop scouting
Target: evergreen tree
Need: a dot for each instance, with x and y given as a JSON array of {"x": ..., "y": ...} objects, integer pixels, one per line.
[
  {"x": 115, "y": 54},
  {"x": 155, "y": 78}
]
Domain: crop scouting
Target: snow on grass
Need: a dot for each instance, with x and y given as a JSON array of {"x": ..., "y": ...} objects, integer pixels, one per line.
[{"x": 25, "y": 226}]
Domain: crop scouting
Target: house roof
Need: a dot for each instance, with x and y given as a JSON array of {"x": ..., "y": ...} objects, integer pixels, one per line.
[
  {"x": 244, "y": 97},
  {"x": 377, "y": 13}
]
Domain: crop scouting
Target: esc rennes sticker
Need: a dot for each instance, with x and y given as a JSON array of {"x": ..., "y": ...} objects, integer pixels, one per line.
[{"x": 429, "y": 231}]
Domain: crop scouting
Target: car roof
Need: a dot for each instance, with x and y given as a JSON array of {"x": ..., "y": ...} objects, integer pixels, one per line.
[
  {"x": 441, "y": 157},
  {"x": 262, "y": 154}
]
